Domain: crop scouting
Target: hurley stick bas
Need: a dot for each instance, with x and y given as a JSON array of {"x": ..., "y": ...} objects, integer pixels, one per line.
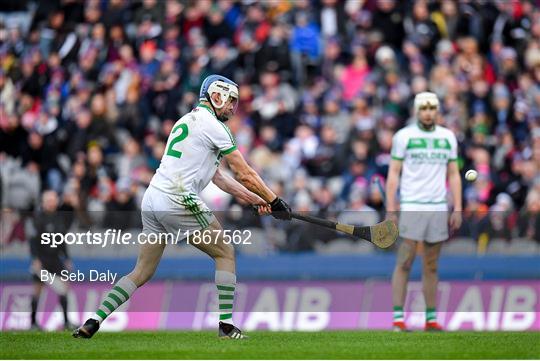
[{"x": 382, "y": 234}]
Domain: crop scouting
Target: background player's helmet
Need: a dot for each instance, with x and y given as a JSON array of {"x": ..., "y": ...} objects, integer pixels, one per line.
[
  {"x": 218, "y": 84},
  {"x": 425, "y": 98}
]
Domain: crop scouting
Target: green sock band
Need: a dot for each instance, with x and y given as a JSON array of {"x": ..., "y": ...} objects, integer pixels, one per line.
[
  {"x": 431, "y": 314},
  {"x": 226, "y": 284},
  {"x": 398, "y": 313}
]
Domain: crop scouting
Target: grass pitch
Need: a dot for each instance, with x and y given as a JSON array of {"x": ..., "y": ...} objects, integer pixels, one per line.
[{"x": 272, "y": 345}]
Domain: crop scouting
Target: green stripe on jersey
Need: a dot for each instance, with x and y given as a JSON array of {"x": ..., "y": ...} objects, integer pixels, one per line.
[
  {"x": 228, "y": 132},
  {"x": 417, "y": 143},
  {"x": 207, "y": 108},
  {"x": 428, "y": 143},
  {"x": 229, "y": 151},
  {"x": 441, "y": 143}
]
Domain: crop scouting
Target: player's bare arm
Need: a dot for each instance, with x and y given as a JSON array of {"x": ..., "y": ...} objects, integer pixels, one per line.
[
  {"x": 392, "y": 184},
  {"x": 230, "y": 185},
  {"x": 248, "y": 177},
  {"x": 253, "y": 182},
  {"x": 454, "y": 181}
]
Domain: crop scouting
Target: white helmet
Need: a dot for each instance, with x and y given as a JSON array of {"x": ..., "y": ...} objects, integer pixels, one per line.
[
  {"x": 218, "y": 84},
  {"x": 425, "y": 98}
]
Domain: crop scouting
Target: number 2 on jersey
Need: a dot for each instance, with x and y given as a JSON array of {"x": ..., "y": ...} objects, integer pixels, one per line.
[{"x": 180, "y": 137}]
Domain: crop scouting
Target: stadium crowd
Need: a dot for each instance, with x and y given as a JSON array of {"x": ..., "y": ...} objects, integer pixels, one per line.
[{"x": 90, "y": 91}]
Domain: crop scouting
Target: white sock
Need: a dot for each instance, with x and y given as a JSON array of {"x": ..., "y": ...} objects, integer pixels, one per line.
[
  {"x": 119, "y": 294},
  {"x": 226, "y": 284}
]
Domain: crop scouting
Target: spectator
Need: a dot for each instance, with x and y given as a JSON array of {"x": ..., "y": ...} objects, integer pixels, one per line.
[
  {"x": 388, "y": 19},
  {"x": 276, "y": 103},
  {"x": 357, "y": 212},
  {"x": 166, "y": 90},
  {"x": 305, "y": 46},
  {"x": 326, "y": 162},
  {"x": 249, "y": 36},
  {"x": 355, "y": 74},
  {"x": 275, "y": 53},
  {"x": 216, "y": 27},
  {"x": 323, "y": 87},
  {"x": 421, "y": 29},
  {"x": 121, "y": 210}
]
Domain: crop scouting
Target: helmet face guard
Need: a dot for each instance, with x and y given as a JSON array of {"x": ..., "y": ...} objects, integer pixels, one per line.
[{"x": 234, "y": 100}]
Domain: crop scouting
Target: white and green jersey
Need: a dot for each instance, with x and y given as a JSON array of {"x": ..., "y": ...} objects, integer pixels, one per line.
[
  {"x": 425, "y": 156},
  {"x": 193, "y": 152}
]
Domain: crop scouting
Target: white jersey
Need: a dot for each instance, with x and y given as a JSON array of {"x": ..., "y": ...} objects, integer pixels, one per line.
[
  {"x": 425, "y": 156},
  {"x": 193, "y": 152}
]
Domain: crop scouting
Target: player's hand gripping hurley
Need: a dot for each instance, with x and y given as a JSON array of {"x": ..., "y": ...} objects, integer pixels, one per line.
[{"x": 382, "y": 234}]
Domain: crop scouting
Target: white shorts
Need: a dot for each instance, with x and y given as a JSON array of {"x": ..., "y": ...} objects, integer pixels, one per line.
[
  {"x": 166, "y": 213},
  {"x": 429, "y": 226}
]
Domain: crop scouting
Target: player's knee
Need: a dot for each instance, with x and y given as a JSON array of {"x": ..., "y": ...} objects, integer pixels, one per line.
[
  {"x": 430, "y": 267},
  {"x": 405, "y": 262},
  {"x": 406, "y": 265},
  {"x": 405, "y": 257}
]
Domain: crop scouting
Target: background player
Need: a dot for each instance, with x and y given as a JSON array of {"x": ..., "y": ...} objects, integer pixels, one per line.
[
  {"x": 192, "y": 156},
  {"x": 424, "y": 154},
  {"x": 47, "y": 258}
]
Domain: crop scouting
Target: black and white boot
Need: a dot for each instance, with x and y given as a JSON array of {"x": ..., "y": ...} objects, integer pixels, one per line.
[
  {"x": 87, "y": 330},
  {"x": 228, "y": 331}
]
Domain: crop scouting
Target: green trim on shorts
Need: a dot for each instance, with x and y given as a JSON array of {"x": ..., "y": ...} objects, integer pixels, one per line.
[
  {"x": 199, "y": 212},
  {"x": 189, "y": 206},
  {"x": 193, "y": 207},
  {"x": 397, "y": 158}
]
